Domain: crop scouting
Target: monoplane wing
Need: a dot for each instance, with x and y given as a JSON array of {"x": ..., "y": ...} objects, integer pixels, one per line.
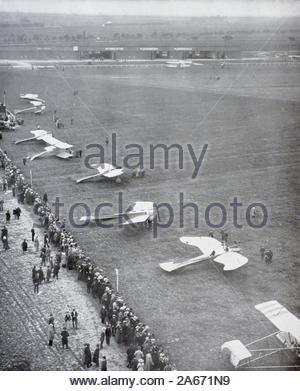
[
  {"x": 39, "y": 132},
  {"x": 284, "y": 320},
  {"x": 49, "y": 139},
  {"x": 205, "y": 244},
  {"x": 46, "y": 151},
  {"x": 30, "y": 97},
  {"x": 231, "y": 260},
  {"x": 36, "y": 134}
]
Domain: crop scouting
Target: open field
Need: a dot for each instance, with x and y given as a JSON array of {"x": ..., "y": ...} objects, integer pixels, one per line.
[{"x": 250, "y": 121}]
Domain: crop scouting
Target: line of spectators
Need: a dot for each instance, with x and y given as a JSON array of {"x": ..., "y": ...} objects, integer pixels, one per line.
[{"x": 143, "y": 352}]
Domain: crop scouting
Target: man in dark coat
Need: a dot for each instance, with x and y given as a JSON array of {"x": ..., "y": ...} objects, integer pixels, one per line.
[
  {"x": 36, "y": 282},
  {"x": 96, "y": 356},
  {"x": 107, "y": 333},
  {"x": 56, "y": 270},
  {"x": 103, "y": 314},
  {"x": 43, "y": 256},
  {"x": 40, "y": 274},
  {"x": 103, "y": 364},
  {"x": 48, "y": 274},
  {"x": 64, "y": 338},
  {"x": 32, "y": 234},
  {"x": 18, "y": 213},
  {"x": 87, "y": 356},
  {"x": 74, "y": 315},
  {"x": 102, "y": 336},
  {"x": 4, "y": 232},
  {"x": 34, "y": 271},
  {"x": 7, "y": 215},
  {"x": 130, "y": 354},
  {"x": 268, "y": 256},
  {"x": 24, "y": 246},
  {"x": 51, "y": 319}
]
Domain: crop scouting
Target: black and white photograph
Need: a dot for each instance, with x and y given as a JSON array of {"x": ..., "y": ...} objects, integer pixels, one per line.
[{"x": 149, "y": 190}]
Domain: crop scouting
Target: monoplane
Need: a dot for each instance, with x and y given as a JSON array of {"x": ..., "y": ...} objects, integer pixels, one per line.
[
  {"x": 212, "y": 250},
  {"x": 32, "y": 97},
  {"x": 181, "y": 63},
  {"x": 105, "y": 170},
  {"x": 56, "y": 147},
  {"x": 38, "y": 105},
  {"x": 137, "y": 213}
]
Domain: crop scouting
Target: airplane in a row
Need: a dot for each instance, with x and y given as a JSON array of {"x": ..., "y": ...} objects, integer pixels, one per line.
[
  {"x": 181, "y": 63},
  {"x": 38, "y": 104},
  {"x": 32, "y": 97},
  {"x": 288, "y": 334},
  {"x": 55, "y": 147},
  {"x": 212, "y": 250},
  {"x": 105, "y": 170},
  {"x": 137, "y": 213}
]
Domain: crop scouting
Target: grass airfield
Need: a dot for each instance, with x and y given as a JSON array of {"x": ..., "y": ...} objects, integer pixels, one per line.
[{"x": 250, "y": 120}]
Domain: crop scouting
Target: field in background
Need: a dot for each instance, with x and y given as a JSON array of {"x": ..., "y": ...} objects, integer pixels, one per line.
[{"x": 250, "y": 121}]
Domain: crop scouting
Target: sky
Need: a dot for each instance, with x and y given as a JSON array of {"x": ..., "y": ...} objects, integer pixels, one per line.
[{"x": 276, "y": 8}]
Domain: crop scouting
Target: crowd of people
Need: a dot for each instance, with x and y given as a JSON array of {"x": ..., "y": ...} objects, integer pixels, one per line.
[{"x": 117, "y": 317}]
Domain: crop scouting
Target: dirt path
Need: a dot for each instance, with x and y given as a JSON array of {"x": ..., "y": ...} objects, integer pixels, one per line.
[{"x": 24, "y": 314}]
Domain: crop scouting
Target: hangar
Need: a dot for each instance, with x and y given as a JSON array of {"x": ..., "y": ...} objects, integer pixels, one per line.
[{"x": 151, "y": 52}]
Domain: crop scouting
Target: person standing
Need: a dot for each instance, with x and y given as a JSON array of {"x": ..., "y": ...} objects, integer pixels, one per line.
[
  {"x": 36, "y": 282},
  {"x": 102, "y": 336},
  {"x": 51, "y": 319},
  {"x": 103, "y": 314},
  {"x": 43, "y": 256},
  {"x": 33, "y": 272},
  {"x": 96, "y": 356},
  {"x": 36, "y": 244},
  {"x": 268, "y": 256},
  {"x": 48, "y": 274},
  {"x": 87, "y": 356},
  {"x": 148, "y": 362},
  {"x": 7, "y": 215},
  {"x": 51, "y": 264},
  {"x": 74, "y": 315},
  {"x": 65, "y": 338},
  {"x": 40, "y": 274},
  {"x": 18, "y": 213},
  {"x": 107, "y": 333},
  {"x": 32, "y": 234},
  {"x": 56, "y": 270},
  {"x": 48, "y": 254},
  {"x": 5, "y": 243},
  {"x": 51, "y": 334},
  {"x": 103, "y": 364},
  {"x": 67, "y": 319},
  {"x": 24, "y": 246}
]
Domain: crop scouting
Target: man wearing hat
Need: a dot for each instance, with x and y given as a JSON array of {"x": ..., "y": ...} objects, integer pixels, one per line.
[
  {"x": 64, "y": 338},
  {"x": 96, "y": 356}
]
